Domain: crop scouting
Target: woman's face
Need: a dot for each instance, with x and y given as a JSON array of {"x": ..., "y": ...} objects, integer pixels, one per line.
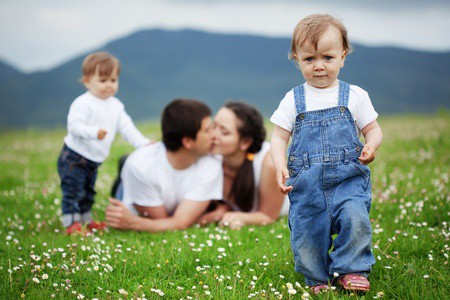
[{"x": 226, "y": 137}]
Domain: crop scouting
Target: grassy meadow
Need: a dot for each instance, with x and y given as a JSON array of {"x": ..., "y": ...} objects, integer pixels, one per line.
[{"x": 410, "y": 218}]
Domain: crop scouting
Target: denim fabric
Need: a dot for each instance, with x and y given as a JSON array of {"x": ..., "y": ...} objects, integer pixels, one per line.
[
  {"x": 119, "y": 191},
  {"x": 78, "y": 176},
  {"x": 331, "y": 193},
  {"x": 117, "y": 188}
]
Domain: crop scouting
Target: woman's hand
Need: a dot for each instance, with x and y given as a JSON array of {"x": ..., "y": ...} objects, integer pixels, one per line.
[
  {"x": 234, "y": 220},
  {"x": 213, "y": 216}
]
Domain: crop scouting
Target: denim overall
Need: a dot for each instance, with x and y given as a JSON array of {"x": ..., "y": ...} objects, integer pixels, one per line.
[{"x": 331, "y": 193}]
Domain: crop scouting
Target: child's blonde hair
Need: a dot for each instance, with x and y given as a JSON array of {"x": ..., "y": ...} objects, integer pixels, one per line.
[
  {"x": 310, "y": 29},
  {"x": 105, "y": 62}
]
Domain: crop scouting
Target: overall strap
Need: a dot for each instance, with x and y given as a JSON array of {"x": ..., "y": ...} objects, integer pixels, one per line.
[
  {"x": 344, "y": 92},
  {"x": 299, "y": 98}
]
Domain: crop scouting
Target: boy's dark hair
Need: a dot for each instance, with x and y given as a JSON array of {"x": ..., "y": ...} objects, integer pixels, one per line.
[
  {"x": 250, "y": 125},
  {"x": 182, "y": 118}
]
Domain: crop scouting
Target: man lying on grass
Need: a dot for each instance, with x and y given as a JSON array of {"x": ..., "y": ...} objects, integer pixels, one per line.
[{"x": 169, "y": 185}]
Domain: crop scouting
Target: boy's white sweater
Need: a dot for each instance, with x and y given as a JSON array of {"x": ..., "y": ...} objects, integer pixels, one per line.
[{"x": 87, "y": 115}]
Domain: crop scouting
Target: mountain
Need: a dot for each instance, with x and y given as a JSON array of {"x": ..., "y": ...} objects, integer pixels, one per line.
[
  {"x": 160, "y": 65},
  {"x": 7, "y": 72}
]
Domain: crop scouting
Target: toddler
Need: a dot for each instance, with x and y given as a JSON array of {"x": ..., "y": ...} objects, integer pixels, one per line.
[
  {"x": 326, "y": 174},
  {"x": 92, "y": 123}
]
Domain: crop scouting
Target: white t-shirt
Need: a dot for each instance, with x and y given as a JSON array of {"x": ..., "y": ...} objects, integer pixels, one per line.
[
  {"x": 87, "y": 115},
  {"x": 150, "y": 180},
  {"x": 359, "y": 105}
]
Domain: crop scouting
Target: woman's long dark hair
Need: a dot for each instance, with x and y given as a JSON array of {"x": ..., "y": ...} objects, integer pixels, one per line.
[{"x": 250, "y": 125}]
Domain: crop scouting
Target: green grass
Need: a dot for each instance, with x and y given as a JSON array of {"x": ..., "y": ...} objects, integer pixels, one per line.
[{"x": 410, "y": 216}]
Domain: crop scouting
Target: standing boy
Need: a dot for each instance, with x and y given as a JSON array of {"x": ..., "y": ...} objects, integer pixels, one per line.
[
  {"x": 92, "y": 123},
  {"x": 326, "y": 176}
]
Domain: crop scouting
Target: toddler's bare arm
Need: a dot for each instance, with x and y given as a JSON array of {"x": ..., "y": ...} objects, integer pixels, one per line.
[
  {"x": 280, "y": 138},
  {"x": 373, "y": 138}
]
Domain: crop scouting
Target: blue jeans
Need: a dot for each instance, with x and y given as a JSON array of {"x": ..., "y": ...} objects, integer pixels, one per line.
[
  {"x": 331, "y": 193},
  {"x": 119, "y": 193},
  {"x": 78, "y": 176}
]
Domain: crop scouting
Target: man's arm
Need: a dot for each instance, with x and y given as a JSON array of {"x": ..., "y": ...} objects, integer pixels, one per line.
[
  {"x": 157, "y": 212},
  {"x": 118, "y": 216}
]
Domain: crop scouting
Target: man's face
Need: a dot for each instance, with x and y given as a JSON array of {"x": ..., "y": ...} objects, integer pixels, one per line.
[{"x": 203, "y": 142}]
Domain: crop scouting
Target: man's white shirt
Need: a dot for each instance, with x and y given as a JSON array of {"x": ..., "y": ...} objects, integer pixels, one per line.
[{"x": 150, "y": 180}]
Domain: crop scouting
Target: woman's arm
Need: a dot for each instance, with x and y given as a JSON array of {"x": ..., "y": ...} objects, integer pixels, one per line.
[{"x": 270, "y": 201}]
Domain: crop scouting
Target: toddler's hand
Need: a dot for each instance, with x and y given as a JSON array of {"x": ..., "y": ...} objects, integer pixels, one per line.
[
  {"x": 101, "y": 134},
  {"x": 367, "y": 154},
  {"x": 282, "y": 176}
]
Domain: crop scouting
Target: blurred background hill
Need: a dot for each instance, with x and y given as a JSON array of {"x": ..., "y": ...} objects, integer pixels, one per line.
[{"x": 160, "y": 65}]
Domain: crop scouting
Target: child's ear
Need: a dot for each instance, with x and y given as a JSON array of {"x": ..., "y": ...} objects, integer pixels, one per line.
[
  {"x": 344, "y": 55},
  {"x": 85, "y": 81}
]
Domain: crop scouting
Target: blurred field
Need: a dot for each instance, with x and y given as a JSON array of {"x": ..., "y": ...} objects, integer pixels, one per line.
[{"x": 410, "y": 216}]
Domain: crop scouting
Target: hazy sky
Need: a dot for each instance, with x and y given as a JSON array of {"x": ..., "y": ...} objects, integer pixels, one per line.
[{"x": 39, "y": 34}]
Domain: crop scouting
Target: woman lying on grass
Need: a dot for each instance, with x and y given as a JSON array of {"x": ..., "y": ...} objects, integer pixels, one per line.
[{"x": 250, "y": 191}]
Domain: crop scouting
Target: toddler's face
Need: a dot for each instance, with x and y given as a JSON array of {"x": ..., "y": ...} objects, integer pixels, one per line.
[
  {"x": 320, "y": 67},
  {"x": 102, "y": 87}
]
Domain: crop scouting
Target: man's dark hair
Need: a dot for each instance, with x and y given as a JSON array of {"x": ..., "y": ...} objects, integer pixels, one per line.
[{"x": 182, "y": 118}]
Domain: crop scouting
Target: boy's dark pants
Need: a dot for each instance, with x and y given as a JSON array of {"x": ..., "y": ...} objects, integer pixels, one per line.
[{"x": 78, "y": 176}]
